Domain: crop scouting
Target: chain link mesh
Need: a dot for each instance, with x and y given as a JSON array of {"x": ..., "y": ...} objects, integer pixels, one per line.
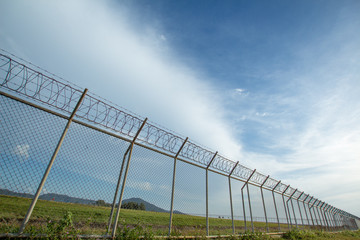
[{"x": 85, "y": 181}]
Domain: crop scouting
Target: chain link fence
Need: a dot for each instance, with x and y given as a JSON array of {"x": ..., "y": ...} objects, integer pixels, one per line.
[{"x": 66, "y": 154}]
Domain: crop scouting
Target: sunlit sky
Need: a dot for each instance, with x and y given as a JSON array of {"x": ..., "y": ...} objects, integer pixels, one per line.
[{"x": 272, "y": 84}]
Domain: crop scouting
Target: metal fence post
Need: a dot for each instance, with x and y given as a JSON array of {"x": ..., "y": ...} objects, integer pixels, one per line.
[
  {"x": 337, "y": 220},
  {"x": 322, "y": 215},
  {"x": 327, "y": 226},
  {"x": 302, "y": 220},
  {"x": 325, "y": 206},
  {"x": 307, "y": 218},
  {"x": 317, "y": 209},
  {"x": 125, "y": 177},
  {"x": 173, "y": 186},
  {"x": 292, "y": 206},
  {"x": 207, "y": 194},
  {"x": 331, "y": 215},
  {"x": 231, "y": 203},
  {"x": 323, "y": 212},
  {"x": 276, "y": 211},
  {"x": 287, "y": 204},
  {"x": 333, "y": 212},
  {"x": 249, "y": 200},
  {"x": 243, "y": 204},
  {"x": 117, "y": 190},
  {"x": 287, "y": 220},
  {"x": 312, "y": 206},
  {"x": 312, "y": 219},
  {"x": 328, "y": 220},
  {"x": 247, "y": 189},
  {"x": 262, "y": 196},
  {"x": 51, "y": 162}
]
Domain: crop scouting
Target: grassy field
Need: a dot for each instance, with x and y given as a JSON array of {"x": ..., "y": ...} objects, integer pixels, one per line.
[{"x": 87, "y": 219}]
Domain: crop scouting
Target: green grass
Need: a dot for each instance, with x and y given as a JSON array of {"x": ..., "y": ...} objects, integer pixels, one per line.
[
  {"x": 93, "y": 219},
  {"x": 88, "y": 219}
]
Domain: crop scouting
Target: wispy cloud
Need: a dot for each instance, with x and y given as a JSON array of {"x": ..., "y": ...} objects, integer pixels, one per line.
[
  {"x": 127, "y": 63},
  {"x": 311, "y": 138},
  {"x": 303, "y": 128},
  {"x": 22, "y": 151}
]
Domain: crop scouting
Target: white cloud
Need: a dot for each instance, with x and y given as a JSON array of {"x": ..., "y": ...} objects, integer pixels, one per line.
[
  {"x": 123, "y": 62},
  {"x": 239, "y": 90},
  {"x": 22, "y": 151},
  {"x": 162, "y": 37},
  {"x": 145, "y": 186},
  {"x": 312, "y": 137},
  {"x": 313, "y": 121}
]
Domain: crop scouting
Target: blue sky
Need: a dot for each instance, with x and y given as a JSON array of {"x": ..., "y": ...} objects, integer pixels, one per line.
[{"x": 272, "y": 84}]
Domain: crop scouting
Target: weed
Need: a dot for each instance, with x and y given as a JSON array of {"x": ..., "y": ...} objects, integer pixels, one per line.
[
  {"x": 133, "y": 232},
  {"x": 254, "y": 236},
  {"x": 296, "y": 234}
]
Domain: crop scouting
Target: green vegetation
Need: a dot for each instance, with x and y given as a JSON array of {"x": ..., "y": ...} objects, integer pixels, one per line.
[
  {"x": 61, "y": 220},
  {"x": 133, "y": 205},
  {"x": 319, "y": 235}
]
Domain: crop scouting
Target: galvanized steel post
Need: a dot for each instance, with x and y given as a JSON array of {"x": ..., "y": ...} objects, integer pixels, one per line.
[
  {"x": 231, "y": 203},
  {"x": 323, "y": 215},
  {"x": 286, "y": 215},
  {"x": 277, "y": 215},
  {"x": 327, "y": 215},
  {"x": 287, "y": 204},
  {"x": 307, "y": 217},
  {"x": 334, "y": 212},
  {"x": 207, "y": 194},
  {"x": 51, "y": 162},
  {"x": 125, "y": 178},
  {"x": 312, "y": 207},
  {"x": 302, "y": 220},
  {"x": 117, "y": 190},
  {"x": 262, "y": 196},
  {"x": 173, "y": 186},
  {"x": 312, "y": 219},
  {"x": 332, "y": 217},
  {"x": 317, "y": 209},
  {"x": 249, "y": 200}
]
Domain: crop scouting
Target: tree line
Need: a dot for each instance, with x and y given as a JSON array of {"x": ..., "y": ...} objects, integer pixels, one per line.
[{"x": 128, "y": 205}]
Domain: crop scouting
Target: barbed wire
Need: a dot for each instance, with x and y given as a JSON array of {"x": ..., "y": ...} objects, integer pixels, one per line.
[{"x": 16, "y": 77}]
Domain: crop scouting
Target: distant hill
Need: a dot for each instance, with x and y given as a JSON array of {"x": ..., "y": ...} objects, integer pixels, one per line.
[
  {"x": 148, "y": 206},
  {"x": 15, "y": 194},
  {"x": 65, "y": 198},
  {"x": 49, "y": 196}
]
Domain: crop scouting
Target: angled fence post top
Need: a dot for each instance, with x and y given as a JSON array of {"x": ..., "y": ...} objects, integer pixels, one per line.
[
  {"x": 276, "y": 186},
  {"x": 247, "y": 181},
  {"x": 292, "y": 194},
  {"x": 232, "y": 170},
  {"x": 212, "y": 159},
  {"x": 300, "y": 196},
  {"x": 265, "y": 181},
  {"x": 285, "y": 190},
  {"x": 306, "y": 198}
]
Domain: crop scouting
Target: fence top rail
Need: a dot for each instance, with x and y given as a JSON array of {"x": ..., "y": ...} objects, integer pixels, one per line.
[{"x": 17, "y": 78}]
